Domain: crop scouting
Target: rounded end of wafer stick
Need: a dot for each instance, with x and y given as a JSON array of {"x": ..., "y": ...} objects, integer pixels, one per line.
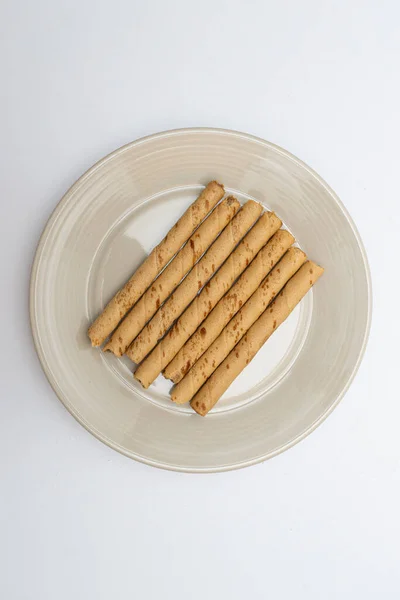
[
  {"x": 172, "y": 374},
  {"x": 166, "y": 376},
  {"x": 232, "y": 200},
  {"x": 282, "y": 239},
  {"x": 272, "y": 216},
  {"x": 180, "y": 395},
  {"x": 138, "y": 376},
  {"x": 315, "y": 269},
  {"x": 114, "y": 348},
  {"x": 283, "y": 235},
  {"x": 250, "y": 203},
  {"x": 214, "y": 182},
  {"x": 94, "y": 339},
  {"x": 175, "y": 398},
  {"x": 296, "y": 252},
  {"x": 198, "y": 407}
]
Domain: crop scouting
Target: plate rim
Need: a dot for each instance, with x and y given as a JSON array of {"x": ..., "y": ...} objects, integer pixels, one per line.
[{"x": 32, "y": 300}]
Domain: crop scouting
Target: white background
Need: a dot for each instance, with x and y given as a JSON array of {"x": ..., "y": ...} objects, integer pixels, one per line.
[{"x": 80, "y": 78}]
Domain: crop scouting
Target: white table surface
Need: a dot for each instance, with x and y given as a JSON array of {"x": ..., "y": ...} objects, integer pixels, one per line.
[{"x": 79, "y": 79}]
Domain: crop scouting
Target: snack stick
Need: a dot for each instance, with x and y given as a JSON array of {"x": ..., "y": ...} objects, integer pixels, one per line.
[
  {"x": 238, "y": 326},
  {"x": 207, "y": 299},
  {"x": 229, "y": 305},
  {"x": 240, "y": 356},
  {"x": 170, "y": 277},
  {"x": 117, "y": 308},
  {"x": 198, "y": 276}
]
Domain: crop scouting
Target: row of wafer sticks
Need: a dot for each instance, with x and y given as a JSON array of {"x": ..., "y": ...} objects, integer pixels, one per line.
[{"x": 207, "y": 298}]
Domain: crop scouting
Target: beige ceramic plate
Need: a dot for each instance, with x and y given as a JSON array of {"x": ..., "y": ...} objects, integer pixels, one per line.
[{"x": 101, "y": 231}]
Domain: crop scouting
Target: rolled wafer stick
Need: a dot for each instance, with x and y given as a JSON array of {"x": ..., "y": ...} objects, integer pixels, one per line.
[
  {"x": 228, "y": 306},
  {"x": 194, "y": 281},
  {"x": 173, "y": 273},
  {"x": 207, "y": 299},
  {"x": 238, "y": 326},
  {"x": 117, "y": 308},
  {"x": 257, "y": 335}
]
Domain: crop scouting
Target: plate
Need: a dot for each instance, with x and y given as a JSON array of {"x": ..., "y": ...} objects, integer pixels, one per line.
[{"x": 102, "y": 230}]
